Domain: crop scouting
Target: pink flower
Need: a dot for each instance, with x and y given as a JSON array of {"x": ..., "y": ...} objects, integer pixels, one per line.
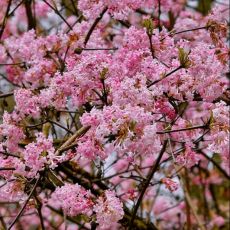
[
  {"x": 218, "y": 221},
  {"x": 11, "y": 131},
  {"x": 38, "y": 154},
  {"x": 73, "y": 199},
  {"x": 26, "y": 102},
  {"x": 108, "y": 210},
  {"x": 170, "y": 184},
  {"x": 166, "y": 109},
  {"x": 189, "y": 158}
]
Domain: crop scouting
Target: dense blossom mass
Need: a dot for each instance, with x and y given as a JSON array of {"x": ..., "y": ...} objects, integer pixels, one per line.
[{"x": 114, "y": 114}]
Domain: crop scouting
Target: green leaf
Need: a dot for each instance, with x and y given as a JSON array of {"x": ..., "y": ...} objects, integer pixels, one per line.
[
  {"x": 204, "y": 6},
  {"x": 132, "y": 125},
  {"x": 211, "y": 120},
  {"x": 216, "y": 157},
  {"x": 172, "y": 20},
  {"x": 54, "y": 179},
  {"x": 182, "y": 107},
  {"x": 183, "y": 58},
  {"x": 148, "y": 24},
  {"x": 103, "y": 73}
]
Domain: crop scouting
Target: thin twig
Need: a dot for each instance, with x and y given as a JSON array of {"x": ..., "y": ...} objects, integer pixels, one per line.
[
  {"x": 7, "y": 169},
  {"x": 165, "y": 76},
  {"x": 61, "y": 126},
  {"x": 152, "y": 51},
  {"x": 9, "y": 154},
  {"x": 187, "y": 196},
  {"x": 39, "y": 209},
  {"x": 73, "y": 220},
  {"x": 189, "y": 30},
  {"x": 30, "y": 18},
  {"x": 59, "y": 14},
  {"x": 36, "y": 125},
  {"x": 5, "y": 18},
  {"x": 3, "y": 222},
  {"x": 95, "y": 49},
  {"x": 191, "y": 205},
  {"x": 68, "y": 147},
  {"x": 5, "y": 78},
  {"x": 75, "y": 8},
  {"x": 172, "y": 33},
  {"x": 215, "y": 164},
  {"x": 16, "y": 7},
  {"x": 18, "y": 63},
  {"x": 94, "y": 25},
  {"x": 159, "y": 15},
  {"x": 4, "y": 95},
  {"x": 24, "y": 206},
  {"x": 146, "y": 184},
  {"x": 79, "y": 133},
  {"x": 184, "y": 129}
]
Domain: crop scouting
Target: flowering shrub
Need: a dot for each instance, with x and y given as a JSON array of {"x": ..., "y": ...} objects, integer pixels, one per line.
[{"x": 114, "y": 114}]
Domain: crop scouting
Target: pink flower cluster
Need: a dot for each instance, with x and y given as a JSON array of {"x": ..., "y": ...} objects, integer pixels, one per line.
[
  {"x": 170, "y": 184},
  {"x": 189, "y": 158},
  {"x": 73, "y": 199},
  {"x": 120, "y": 129},
  {"x": 108, "y": 210},
  {"x": 39, "y": 154},
  {"x": 122, "y": 9}
]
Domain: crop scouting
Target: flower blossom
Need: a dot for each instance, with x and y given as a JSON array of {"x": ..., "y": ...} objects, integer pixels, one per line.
[
  {"x": 108, "y": 210},
  {"x": 73, "y": 199},
  {"x": 170, "y": 184}
]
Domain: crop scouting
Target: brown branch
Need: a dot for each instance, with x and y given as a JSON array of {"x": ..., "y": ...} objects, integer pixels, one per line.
[
  {"x": 7, "y": 169},
  {"x": 186, "y": 193},
  {"x": 3, "y": 222},
  {"x": 146, "y": 184},
  {"x": 79, "y": 133},
  {"x": 19, "y": 63},
  {"x": 5, "y": 18},
  {"x": 75, "y": 8},
  {"x": 61, "y": 126},
  {"x": 191, "y": 205},
  {"x": 152, "y": 50},
  {"x": 68, "y": 147},
  {"x": 9, "y": 154},
  {"x": 24, "y": 206},
  {"x": 30, "y": 18},
  {"x": 39, "y": 209},
  {"x": 184, "y": 129},
  {"x": 58, "y": 13},
  {"x": 97, "y": 20},
  {"x": 16, "y": 7},
  {"x": 189, "y": 30},
  {"x": 172, "y": 33},
  {"x": 73, "y": 220},
  {"x": 36, "y": 125},
  {"x": 159, "y": 15},
  {"x": 85, "y": 179},
  {"x": 165, "y": 76},
  {"x": 6, "y": 95},
  {"x": 224, "y": 173}
]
